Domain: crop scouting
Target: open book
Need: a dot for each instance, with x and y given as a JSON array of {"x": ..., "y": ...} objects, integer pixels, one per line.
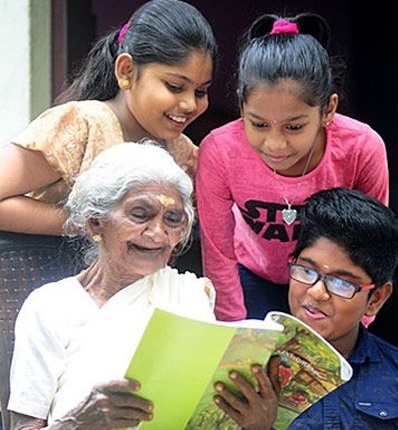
[{"x": 179, "y": 359}]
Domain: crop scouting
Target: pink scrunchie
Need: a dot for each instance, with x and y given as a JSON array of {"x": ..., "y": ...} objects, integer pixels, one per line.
[
  {"x": 122, "y": 32},
  {"x": 281, "y": 26}
]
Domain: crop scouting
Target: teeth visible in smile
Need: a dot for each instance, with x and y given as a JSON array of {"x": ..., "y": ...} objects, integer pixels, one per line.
[{"x": 179, "y": 119}]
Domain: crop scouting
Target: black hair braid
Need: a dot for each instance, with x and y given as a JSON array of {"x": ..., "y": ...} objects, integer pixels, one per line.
[
  {"x": 261, "y": 26},
  {"x": 160, "y": 31},
  {"x": 307, "y": 23},
  {"x": 315, "y": 26},
  {"x": 95, "y": 79}
]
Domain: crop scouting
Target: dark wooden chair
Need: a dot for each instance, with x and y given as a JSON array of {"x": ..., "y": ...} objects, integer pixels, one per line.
[{"x": 24, "y": 267}]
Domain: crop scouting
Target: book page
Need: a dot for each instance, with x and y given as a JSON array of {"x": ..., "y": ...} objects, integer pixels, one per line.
[
  {"x": 247, "y": 347},
  {"x": 303, "y": 368},
  {"x": 179, "y": 359}
]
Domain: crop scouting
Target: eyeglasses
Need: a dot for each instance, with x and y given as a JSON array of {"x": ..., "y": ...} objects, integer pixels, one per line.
[{"x": 336, "y": 286}]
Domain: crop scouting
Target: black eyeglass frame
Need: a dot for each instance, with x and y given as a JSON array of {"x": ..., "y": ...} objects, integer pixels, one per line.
[{"x": 326, "y": 278}]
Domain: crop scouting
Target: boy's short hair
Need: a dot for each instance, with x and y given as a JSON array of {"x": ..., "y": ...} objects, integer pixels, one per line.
[{"x": 364, "y": 227}]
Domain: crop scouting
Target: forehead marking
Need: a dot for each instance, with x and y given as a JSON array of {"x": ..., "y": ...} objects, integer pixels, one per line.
[{"x": 165, "y": 201}]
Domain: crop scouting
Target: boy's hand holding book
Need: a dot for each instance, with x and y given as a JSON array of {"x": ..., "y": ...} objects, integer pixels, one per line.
[{"x": 257, "y": 402}]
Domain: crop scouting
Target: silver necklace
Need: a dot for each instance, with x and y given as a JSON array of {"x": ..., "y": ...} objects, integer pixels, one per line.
[{"x": 289, "y": 215}]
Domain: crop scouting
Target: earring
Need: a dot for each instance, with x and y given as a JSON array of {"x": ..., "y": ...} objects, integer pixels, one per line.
[
  {"x": 97, "y": 238},
  {"x": 124, "y": 84}
]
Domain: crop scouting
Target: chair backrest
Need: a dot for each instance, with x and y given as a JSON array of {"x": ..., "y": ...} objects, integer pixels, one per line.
[
  {"x": 26, "y": 263},
  {"x": 4, "y": 386},
  {"x": 12, "y": 295}
]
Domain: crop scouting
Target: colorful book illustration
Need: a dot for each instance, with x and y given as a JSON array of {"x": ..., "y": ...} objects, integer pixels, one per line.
[{"x": 179, "y": 359}]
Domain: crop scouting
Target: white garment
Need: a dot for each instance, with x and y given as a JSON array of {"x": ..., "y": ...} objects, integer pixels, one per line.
[{"x": 65, "y": 344}]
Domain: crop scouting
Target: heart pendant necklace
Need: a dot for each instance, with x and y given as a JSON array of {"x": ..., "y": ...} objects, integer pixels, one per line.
[{"x": 289, "y": 215}]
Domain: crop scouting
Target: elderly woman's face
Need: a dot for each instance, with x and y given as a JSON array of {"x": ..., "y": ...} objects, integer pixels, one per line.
[{"x": 143, "y": 230}]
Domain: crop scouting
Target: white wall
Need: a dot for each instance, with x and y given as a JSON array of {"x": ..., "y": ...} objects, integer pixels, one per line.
[{"x": 25, "y": 53}]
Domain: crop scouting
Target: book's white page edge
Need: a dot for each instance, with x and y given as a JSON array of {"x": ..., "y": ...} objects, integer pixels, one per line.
[{"x": 265, "y": 324}]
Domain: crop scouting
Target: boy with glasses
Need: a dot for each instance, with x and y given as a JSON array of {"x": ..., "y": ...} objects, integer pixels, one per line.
[{"x": 341, "y": 269}]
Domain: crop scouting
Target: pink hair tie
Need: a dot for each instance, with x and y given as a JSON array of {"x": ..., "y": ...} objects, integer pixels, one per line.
[
  {"x": 281, "y": 26},
  {"x": 122, "y": 32}
]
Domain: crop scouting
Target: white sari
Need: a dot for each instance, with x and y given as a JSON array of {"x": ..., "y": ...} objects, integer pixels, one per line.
[{"x": 102, "y": 349}]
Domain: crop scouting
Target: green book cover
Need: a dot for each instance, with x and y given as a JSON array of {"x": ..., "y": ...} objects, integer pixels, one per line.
[{"x": 179, "y": 359}]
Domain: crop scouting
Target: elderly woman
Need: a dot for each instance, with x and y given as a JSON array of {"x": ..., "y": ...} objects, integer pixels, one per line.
[{"x": 75, "y": 337}]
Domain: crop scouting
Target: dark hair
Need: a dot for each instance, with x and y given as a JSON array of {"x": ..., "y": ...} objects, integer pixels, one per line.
[
  {"x": 160, "y": 31},
  {"x": 269, "y": 58},
  {"x": 365, "y": 228}
]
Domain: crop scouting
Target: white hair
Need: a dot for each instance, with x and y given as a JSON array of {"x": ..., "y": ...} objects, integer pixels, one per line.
[{"x": 118, "y": 170}]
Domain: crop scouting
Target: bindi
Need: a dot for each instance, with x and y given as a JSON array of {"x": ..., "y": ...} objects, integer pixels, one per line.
[{"x": 165, "y": 201}]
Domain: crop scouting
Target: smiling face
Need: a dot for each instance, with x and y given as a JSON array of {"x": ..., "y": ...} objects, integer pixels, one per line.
[
  {"x": 282, "y": 127},
  {"x": 164, "y": 99},
  {"x": 335, "y": 318},
  {"x": 142, "y": 232}
]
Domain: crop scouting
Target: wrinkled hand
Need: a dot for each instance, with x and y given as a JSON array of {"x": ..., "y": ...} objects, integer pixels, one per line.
[
  {"x": 111, "y": 406},
  {"x": 255, "y": 408}
]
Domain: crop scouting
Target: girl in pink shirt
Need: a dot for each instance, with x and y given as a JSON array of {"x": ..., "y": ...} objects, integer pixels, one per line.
[{"x": 254, "y": 173}]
